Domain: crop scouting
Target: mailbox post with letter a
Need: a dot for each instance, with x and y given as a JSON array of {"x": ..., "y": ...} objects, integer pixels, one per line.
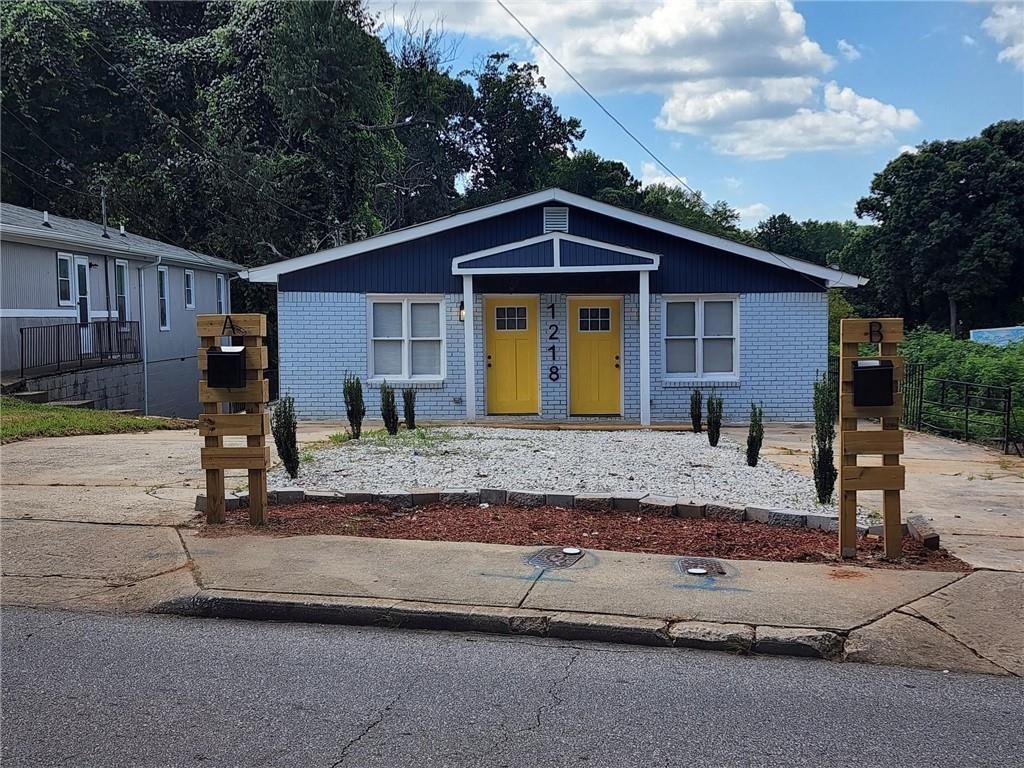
[
  {"x": 869, "y": 388},
  {"x": 234, "y": 374}
]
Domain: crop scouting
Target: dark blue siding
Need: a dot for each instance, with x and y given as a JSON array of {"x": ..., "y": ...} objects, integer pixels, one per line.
[
  {"x": 536, "y": 255},
  {"x": 424, "y": 265},
  {"x": 580, "y": 255}
]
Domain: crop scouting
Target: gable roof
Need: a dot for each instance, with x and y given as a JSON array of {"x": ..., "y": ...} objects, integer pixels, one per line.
[
  {"x": 270, "y": 273},
  {"x": 26, "y": 225}
]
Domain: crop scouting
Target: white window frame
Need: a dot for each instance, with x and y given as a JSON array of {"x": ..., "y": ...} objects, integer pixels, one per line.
[
  {"x": 698, "y": 301},
  {"x": 70, "y": 259},
  {"x": 189, "y": 284},
  {"x": 163, "y": 301},
  {"x": 406, "y": 300},
  {"x": 222, "y": 295},
  {"x": 127, "y": 314}
]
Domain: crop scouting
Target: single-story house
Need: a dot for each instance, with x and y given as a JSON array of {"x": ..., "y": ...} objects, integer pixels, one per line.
[
  {"x": 101, "y": 316},
  {"x": 553, "y": 306}
]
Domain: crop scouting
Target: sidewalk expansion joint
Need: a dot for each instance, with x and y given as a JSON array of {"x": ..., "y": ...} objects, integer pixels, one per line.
[
  {"x": 899, "y": 608},
  {"x": 955, "y": 639},
  {"x": 530, "y": 588}
]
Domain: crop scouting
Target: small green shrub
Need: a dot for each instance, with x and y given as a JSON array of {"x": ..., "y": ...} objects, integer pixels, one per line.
[
  {"x": 283, "y": 425},
  {"x": 409, "y": 407},
  {"x": 696, "y": 415},
  {"x": 388, "y": 408},
  {"x": 355, "y": 409},
  {"x": 822, "y": 454},
  {"x": 714, "y": 419},
  {"x": 755, "y": 434}
]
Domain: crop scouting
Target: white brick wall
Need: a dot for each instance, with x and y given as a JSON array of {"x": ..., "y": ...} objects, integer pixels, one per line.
[{"x": 783, "y": 344}]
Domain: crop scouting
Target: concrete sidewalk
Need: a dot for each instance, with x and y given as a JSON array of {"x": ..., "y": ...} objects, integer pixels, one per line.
[{"x": 102, "y": 524}]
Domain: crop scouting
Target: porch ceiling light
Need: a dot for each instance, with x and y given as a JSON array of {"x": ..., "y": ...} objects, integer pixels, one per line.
[{"x": 462, "y": 311}]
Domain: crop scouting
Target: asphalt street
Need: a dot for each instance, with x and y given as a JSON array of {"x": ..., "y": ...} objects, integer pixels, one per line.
[{"x": 96, "y": 690}]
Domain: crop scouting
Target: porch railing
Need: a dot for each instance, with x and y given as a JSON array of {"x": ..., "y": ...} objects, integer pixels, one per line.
[{"x": 70, "y": 346}]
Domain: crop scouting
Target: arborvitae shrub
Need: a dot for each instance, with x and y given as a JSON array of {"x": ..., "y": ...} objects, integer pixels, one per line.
[
  {"x": 822, "y": 456},
  {"x": 355, "y": 409},
  {"x": 388, "y": 408},
  {"x": 283, "y": 425},
  {"x": 714, "y": 419},
  {"x": 696, "y": 400},
  {"x": 409, "y": 407},
  {"x": 755, "y": 434}
]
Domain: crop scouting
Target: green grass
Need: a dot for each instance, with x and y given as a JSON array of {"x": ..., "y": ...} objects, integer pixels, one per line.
[
  {"x": 421, "y": 437},
  {"x": 20, "y": 420}
]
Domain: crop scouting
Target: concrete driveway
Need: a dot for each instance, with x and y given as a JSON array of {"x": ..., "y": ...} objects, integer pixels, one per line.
[{"x": 973, "y": 495}]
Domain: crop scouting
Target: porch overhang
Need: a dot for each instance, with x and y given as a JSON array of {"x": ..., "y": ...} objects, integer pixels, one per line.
[{"x": 555, "y": 253}]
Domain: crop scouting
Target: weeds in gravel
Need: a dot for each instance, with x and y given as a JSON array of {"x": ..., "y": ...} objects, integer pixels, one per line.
[{"x": 421, "y": 437}]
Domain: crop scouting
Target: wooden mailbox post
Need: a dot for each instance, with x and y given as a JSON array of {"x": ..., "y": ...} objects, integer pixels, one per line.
[
  {"x": 253, "y": 424},
  {"x": 886, "y": 442}
]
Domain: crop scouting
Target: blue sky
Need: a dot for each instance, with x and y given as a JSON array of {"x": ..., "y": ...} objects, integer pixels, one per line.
[{"x": 772, "y": 106}]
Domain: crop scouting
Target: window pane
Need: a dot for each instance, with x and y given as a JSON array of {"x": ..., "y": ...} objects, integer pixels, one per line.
[
  {"x": 679, "y": 319},
  {"x": 64, "y": 289},
  {"x": 387, "y": 320},
  {"x": 119, "y": 279},
  {"x": 426, "y": 358},
  {"x": 718, "y": 318},
  {"x": 680, "y": 356},
  {"x": 122, "y": 308},
  {"x": 387, "y": 358},
  {"x": 718, "y": 355},
  {"x": 63, "y": 268},
  {"x": 426, "y": 321}
]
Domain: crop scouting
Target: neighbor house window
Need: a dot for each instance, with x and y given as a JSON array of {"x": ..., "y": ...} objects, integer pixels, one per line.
[
  {"x": 64, "y": 280},
  {"x": 163, "y": 299},
  {"x": 406, "y": 338},
  {"x": 121, "y": 289},
  {"x": 190, "y": 289},
  {"x": 700, "y": 337},
  {"x": 222, "y": 295}
]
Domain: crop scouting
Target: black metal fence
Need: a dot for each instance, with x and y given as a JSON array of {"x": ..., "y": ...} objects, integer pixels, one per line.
[
  {"x": 963, "y": 410},
  {"x": 69, "y": 346}
]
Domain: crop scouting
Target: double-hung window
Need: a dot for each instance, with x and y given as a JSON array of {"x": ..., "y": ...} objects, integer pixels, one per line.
[
  {"x": 190, "y": 289},
  {"x": 121, "y": 289},
  {"x": 700, "y": 337},
  {"x": 64, "y": 288},
  {"x": 163, "y": 287},
  {"x": 222, "y": 295},
  {"x": 406, "y": 338}
]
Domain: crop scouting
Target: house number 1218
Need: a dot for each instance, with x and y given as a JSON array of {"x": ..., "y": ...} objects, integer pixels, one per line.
[{"x": 553, "y": 373}]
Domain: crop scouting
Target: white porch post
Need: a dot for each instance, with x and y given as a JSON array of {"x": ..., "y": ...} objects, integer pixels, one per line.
[
  {"x": 470, "y": 352},
  {"x": 645, "y": 348}
]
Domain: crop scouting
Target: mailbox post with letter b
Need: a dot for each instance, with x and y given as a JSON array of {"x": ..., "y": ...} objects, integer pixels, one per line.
[{"x": 869, "y": 388}]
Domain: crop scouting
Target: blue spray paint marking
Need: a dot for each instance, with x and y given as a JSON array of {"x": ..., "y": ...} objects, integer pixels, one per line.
[{"x": 709, "y": 583}]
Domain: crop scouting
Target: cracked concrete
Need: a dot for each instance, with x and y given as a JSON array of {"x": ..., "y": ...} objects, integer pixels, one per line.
[{"x": 94, "y": 524}]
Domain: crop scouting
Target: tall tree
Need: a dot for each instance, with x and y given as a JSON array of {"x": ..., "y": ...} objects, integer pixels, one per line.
[{"x": 950, "y": 237}]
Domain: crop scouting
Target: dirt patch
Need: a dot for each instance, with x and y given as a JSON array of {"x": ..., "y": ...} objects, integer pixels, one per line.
[{"x": 546, "y": 526}]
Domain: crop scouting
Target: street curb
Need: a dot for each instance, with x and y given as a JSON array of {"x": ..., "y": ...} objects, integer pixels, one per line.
[{"x": 452, "y": 617}]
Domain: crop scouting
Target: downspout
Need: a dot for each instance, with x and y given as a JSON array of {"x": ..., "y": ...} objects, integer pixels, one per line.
[{"x": 145, "y": 334}]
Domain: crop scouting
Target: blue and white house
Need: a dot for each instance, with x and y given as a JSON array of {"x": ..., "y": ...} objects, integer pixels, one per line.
[{"x": 552, "y": 306}]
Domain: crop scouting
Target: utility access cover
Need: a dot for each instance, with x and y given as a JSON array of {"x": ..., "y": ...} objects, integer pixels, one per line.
[
  {"x": 709, "y": 565},
  {"x": 555, "y": 557}
]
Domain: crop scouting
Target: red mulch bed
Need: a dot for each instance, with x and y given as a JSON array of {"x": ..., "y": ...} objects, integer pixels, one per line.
[{"x": 546, "y": 526}]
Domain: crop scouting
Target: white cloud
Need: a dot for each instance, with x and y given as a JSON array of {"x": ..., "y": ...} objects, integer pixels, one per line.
[
  {"x": 752, "y": 214},
  {"x": 732, "y": 182},
  {"x": 651, "y": 173},
  {"x": 720, "y": 67},
  {"x": 968, "y": 41},
  {"x": 908, "y": 149},
  {"x": 1006, "y": 26},
  {"x": 848, "y": 120},
  {"x": 848, "y": 50}
]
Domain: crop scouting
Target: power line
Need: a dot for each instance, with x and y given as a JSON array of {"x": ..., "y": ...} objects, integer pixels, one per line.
[{"x": 696, "y": 195}]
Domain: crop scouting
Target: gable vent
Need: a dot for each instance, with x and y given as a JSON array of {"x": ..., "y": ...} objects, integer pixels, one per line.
[{"x": 556, "y": 220}]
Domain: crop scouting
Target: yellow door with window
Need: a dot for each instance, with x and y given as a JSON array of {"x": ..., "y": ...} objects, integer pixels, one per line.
[
  {"x": 595, "y": 356},
  {"x": 511, "y": 350}
]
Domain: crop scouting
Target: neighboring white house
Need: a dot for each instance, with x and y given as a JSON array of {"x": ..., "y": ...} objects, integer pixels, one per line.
[{"x": 88, "y": 314}]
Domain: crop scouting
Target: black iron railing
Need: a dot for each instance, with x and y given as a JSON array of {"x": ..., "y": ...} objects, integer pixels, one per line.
[{"x": 69, "y": 346}]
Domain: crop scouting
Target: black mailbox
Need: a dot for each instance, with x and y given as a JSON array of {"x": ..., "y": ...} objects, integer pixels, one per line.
[
  {"x": 872, "y": 383},
  {"x": 225, "y": 367}
]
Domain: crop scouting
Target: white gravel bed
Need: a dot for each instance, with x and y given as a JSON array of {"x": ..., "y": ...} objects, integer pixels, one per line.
[{"x": 573, "y": 461}]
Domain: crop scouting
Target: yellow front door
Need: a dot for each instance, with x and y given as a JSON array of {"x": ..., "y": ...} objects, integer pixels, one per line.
[
  {"x": 595, "y": 351},
  {"x": 511, "y": 350}
]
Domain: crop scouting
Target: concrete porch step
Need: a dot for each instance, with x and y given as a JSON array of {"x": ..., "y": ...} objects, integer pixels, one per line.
[
  {"x": 35, "y": 396},
  {"x": 128, "y": 411},
  {"x": 91, "y": 404}
]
